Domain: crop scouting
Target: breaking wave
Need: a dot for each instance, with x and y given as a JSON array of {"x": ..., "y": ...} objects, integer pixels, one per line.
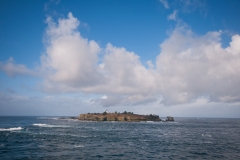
[
  {"x": 48, "y": 125},
  {"x": 11, "y": 129},
  {"x": 79, "y": 146},
  {"x": 55, "y": 118}
]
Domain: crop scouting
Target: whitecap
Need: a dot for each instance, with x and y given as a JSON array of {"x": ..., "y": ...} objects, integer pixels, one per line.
[
  {"x": 41, "y": 118},
  {"x": 206, "y": 135},
  {"x": 11, "y": 129},
  {"x": 55, "y": 118},
  {"x": 79, "y": 146},
  {"x": 73, "y": 120},
  {"x": 48, "y": 125},
  {"x": 208, "y": 142},
  {"x": 39, "y": 124}
]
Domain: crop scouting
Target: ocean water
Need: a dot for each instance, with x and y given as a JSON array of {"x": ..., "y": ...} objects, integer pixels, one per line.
[{"x": 54, "y": 138}]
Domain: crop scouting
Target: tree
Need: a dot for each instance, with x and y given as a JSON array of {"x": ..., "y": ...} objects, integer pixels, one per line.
[{"x": 104, "y": 113}]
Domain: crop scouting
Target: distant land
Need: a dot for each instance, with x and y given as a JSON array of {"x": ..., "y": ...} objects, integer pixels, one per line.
[{"x": 117, "y": 116}]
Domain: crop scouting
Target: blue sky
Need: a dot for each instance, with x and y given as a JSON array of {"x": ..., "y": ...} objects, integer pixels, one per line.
[{"x": 167, "y": 57}]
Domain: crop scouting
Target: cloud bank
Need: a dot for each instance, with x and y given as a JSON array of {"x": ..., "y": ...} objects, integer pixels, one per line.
[{"x": 189, "y": 67}]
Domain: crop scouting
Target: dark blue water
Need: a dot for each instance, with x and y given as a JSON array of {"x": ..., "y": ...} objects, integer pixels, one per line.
[{"x": 48, "y": 138}]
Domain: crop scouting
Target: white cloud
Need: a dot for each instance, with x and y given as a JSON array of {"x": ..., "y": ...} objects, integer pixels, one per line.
[
  {"x": 70, "y": 60},
  {"x": 74, "y": 105},
  {"x": 165, "y": 3},
  {"x": 173, "y": 16},
  {"x": 58, "y": 105},
  {"x": 12, "y": 69},
  {"x": 104, "y": 97},
  {"x": 150, "y": 64},
  {"x": 125, "y": 73},
  {"x": 188, "y": 68},
  {"x": 124, "y": 100}
]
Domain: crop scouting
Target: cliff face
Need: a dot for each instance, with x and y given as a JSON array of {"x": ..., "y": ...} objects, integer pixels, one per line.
[{"x": 118, "y": 117}]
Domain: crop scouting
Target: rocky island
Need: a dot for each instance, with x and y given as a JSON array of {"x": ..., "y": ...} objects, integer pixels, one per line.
[{"x": 117, "y": 116}]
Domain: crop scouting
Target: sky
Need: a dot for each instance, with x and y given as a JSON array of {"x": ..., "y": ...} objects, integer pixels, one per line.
[{"x": 176, "y": 58}]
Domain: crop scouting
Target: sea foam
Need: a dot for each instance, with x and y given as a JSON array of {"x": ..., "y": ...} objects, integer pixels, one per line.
[
  {"x": 11, "y": 129},
  {"x": 55, "y": 118},
  {"x": 79, "y": 146},
  {"x": 47, "y": 125}
]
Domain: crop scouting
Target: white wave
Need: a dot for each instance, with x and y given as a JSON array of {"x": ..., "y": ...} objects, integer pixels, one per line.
[
  {"x": 39, "y": 124},
  {"x": 79, "y": 146},
  {"x": 11, "y": 129},
  {"x": 73, "y": 120},
  {"x": 145, "y": 140},
  {"x": 48, "y": 125},
  {"x": 59, "y": 118},
  {"x": 208, "y": 142},
  {"x": 55, "y": 118},
  {"x": 206, "y": 135}
]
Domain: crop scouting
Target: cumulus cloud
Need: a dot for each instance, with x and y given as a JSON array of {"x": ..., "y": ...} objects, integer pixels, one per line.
[
  {"x": 165, "y": 3},
  {"x": 71, "y": 64},
  {"x": 188, "y": 67},
  {"x": 70, "y": 60},
  {"x": 173, "y": 16},
  {"x": 125, "y": 73},
  {"x": 12, "y": 69}
]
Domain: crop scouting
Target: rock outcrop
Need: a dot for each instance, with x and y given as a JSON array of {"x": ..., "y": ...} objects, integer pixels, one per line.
[
  {"x": 118, "y": 117},
  {"x": 169, "y": 118}
]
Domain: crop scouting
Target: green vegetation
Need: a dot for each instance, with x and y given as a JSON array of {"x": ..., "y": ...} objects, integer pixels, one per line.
[
  {"x": 125, "y": 112},
  {"x": 153, "y": 117},
  {"x": 105, "y": 113},
  {"x": 117, "y": 116}
]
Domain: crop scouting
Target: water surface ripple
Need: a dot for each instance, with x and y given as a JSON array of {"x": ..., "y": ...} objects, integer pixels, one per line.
[{"x": 52, "y": 138}]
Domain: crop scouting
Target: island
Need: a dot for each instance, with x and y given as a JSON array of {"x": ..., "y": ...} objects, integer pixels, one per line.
[{"x": 117, "y": 116}]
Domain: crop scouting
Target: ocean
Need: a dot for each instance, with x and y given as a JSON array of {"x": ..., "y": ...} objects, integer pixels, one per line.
[{"x": 56, "y": 138}]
